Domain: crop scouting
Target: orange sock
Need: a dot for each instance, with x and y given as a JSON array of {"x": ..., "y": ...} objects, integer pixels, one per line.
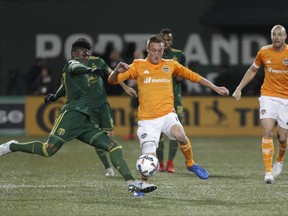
[
  {"x": 188, "y": 154},
  {"x": 281, "y": 152},
  {"x": 267, "y": 152}
]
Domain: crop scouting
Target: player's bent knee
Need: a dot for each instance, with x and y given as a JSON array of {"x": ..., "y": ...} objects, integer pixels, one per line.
[
  {"x": 114, "y": 146},
  {"x": 49, "y": 149}
]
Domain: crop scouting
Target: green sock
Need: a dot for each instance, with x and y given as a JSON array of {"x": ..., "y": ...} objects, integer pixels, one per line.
[
  {"x": 37, "y": 147},
  {"x": 103, "y": 157},
  {"x": 173, "y": 147},
  {"x": 120, "y": 164},
  {"x": 34, "y": 147},
  {"x": 160, "y": 150},
  {"x": 132, "y": 123}
]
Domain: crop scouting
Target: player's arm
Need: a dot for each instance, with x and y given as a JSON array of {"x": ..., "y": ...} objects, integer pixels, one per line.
[
  {"x": 54, "y": 97},
  {"x": 77, "y": 68},
  {"x": 220, "y": 90},
  {"x": 60, "y": 92},
  {"x": 249, "y": 75},
  {"x": 195, "y": 77},
  {"x": 130, "y": 91},
  {"x": 120, "y": 68}
]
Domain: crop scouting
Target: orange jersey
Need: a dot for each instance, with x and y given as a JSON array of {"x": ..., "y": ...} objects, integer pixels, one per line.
[
  {"x": 276, "y": 71},
  {"x": 155, "y": 85}
]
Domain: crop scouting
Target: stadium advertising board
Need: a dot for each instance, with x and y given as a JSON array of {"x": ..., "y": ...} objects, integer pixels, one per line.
[
  {"x": 12, "y": 115},
  {"x": 204, "y": 116},
  {"x": 40, "y": 116}
]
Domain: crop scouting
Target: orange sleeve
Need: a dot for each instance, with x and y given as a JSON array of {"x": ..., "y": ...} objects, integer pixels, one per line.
[
  {"x": 186, "y": 73},
  {"x": 131, "y": 73}
]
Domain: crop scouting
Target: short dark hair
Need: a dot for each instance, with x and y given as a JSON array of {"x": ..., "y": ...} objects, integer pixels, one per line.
[
  {"x": 81, "y": 43},
  {"x": 154, "y": 39},
  {"x": 165, "y": 31}
]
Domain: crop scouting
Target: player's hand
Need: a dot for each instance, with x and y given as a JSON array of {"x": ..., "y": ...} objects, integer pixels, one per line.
[
  {"x": 130, "y": 91},
  {"x": 49, "y": 98},
  {"x": 222, "y": 91},
  {"x": 121, "y": 67},
  {"x": 237, "y": 94}
]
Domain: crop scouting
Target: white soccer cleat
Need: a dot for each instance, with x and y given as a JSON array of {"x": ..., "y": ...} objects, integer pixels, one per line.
[
  {"x": 277, "y": 169},
  {"x": 5, "y": 147},
  {"x": 109, "y": 172},
  {"x": 268, "y": 179},
  {"x": 140, "y": 186}
]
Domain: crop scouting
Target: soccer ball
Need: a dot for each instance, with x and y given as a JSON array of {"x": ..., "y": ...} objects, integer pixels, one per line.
[{"x": 147, "y": 165}]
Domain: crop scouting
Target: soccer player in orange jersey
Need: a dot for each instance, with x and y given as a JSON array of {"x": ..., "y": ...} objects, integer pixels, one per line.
[
  {"x": 156, "y": 112},
  {"x": 273, "y": 99}
]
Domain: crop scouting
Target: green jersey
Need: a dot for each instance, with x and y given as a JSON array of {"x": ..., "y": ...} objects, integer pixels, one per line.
[
  {"x": 178, "y": 56},
  {"x": 77, "y": 86},
  {"x": 97, "y": 88}
]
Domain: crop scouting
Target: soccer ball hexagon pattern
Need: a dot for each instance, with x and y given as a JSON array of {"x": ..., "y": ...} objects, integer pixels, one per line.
[{"x": 147, "y": 165}]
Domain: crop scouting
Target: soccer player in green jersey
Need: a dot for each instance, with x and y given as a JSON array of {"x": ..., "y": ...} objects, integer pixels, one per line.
[
  {"x": 99, "y": 106},
  {"x": 177, "y": 55},
  {"x": 73, "y": 121}
]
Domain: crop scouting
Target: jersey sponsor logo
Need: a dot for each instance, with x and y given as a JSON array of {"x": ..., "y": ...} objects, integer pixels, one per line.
[
  {"x": 150, "y": 80},
  {"x": 285, "y": 61},
  {"x": 147, "y": 80},
  {"x": 269, "y": 69},
  {"x": 166, "y": 69}
]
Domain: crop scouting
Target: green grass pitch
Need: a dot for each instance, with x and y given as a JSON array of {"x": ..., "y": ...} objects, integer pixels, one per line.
[{"x": 72, "y": 182}]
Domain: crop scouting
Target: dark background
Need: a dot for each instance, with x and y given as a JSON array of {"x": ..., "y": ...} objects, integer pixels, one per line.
[{"x": 22, "y": 21}]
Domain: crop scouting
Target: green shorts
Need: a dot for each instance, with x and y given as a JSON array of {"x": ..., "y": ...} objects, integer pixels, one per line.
[
  {"x": 71, "y": 125},
  {"x": 179, "y": 110},
  {"x": 101, "y": 116}
]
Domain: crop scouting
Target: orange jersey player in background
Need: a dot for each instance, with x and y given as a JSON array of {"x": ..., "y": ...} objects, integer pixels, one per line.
[
  {"x": 156, "y": 112},
  {"x": 273, "y": 99}
]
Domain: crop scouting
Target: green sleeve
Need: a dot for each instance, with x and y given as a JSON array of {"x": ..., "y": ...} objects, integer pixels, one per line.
[
  {"x": 60, "y": 92},
  {"x": 75, "y": 67}
]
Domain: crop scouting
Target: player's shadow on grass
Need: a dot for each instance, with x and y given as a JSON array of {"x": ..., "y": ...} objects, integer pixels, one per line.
[
  {"x": 215, "y": 176},
  {"x": 228, "y": 176}
]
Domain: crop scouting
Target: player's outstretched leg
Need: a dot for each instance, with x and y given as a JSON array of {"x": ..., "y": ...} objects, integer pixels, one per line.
[{"x": 5, "y": 147}]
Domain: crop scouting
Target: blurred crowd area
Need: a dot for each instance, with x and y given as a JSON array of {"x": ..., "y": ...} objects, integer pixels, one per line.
[{"x": 39, "y": 80}]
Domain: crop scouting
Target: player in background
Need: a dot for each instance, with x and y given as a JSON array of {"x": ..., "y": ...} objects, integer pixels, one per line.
[
  {"x": 99, "y": 105},
  {"x": 177, "y": 55},
  {"x": 156, "y": 112},
  {"x": 73, "y": 121},
  {"x": 273, "y": 100}
]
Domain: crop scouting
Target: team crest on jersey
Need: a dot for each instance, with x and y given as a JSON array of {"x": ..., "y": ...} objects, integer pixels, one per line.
[
  {"x": 61, "y": 131},
  {"x": 166, "y": 69},
  {"x": 285, "y": 61}
]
